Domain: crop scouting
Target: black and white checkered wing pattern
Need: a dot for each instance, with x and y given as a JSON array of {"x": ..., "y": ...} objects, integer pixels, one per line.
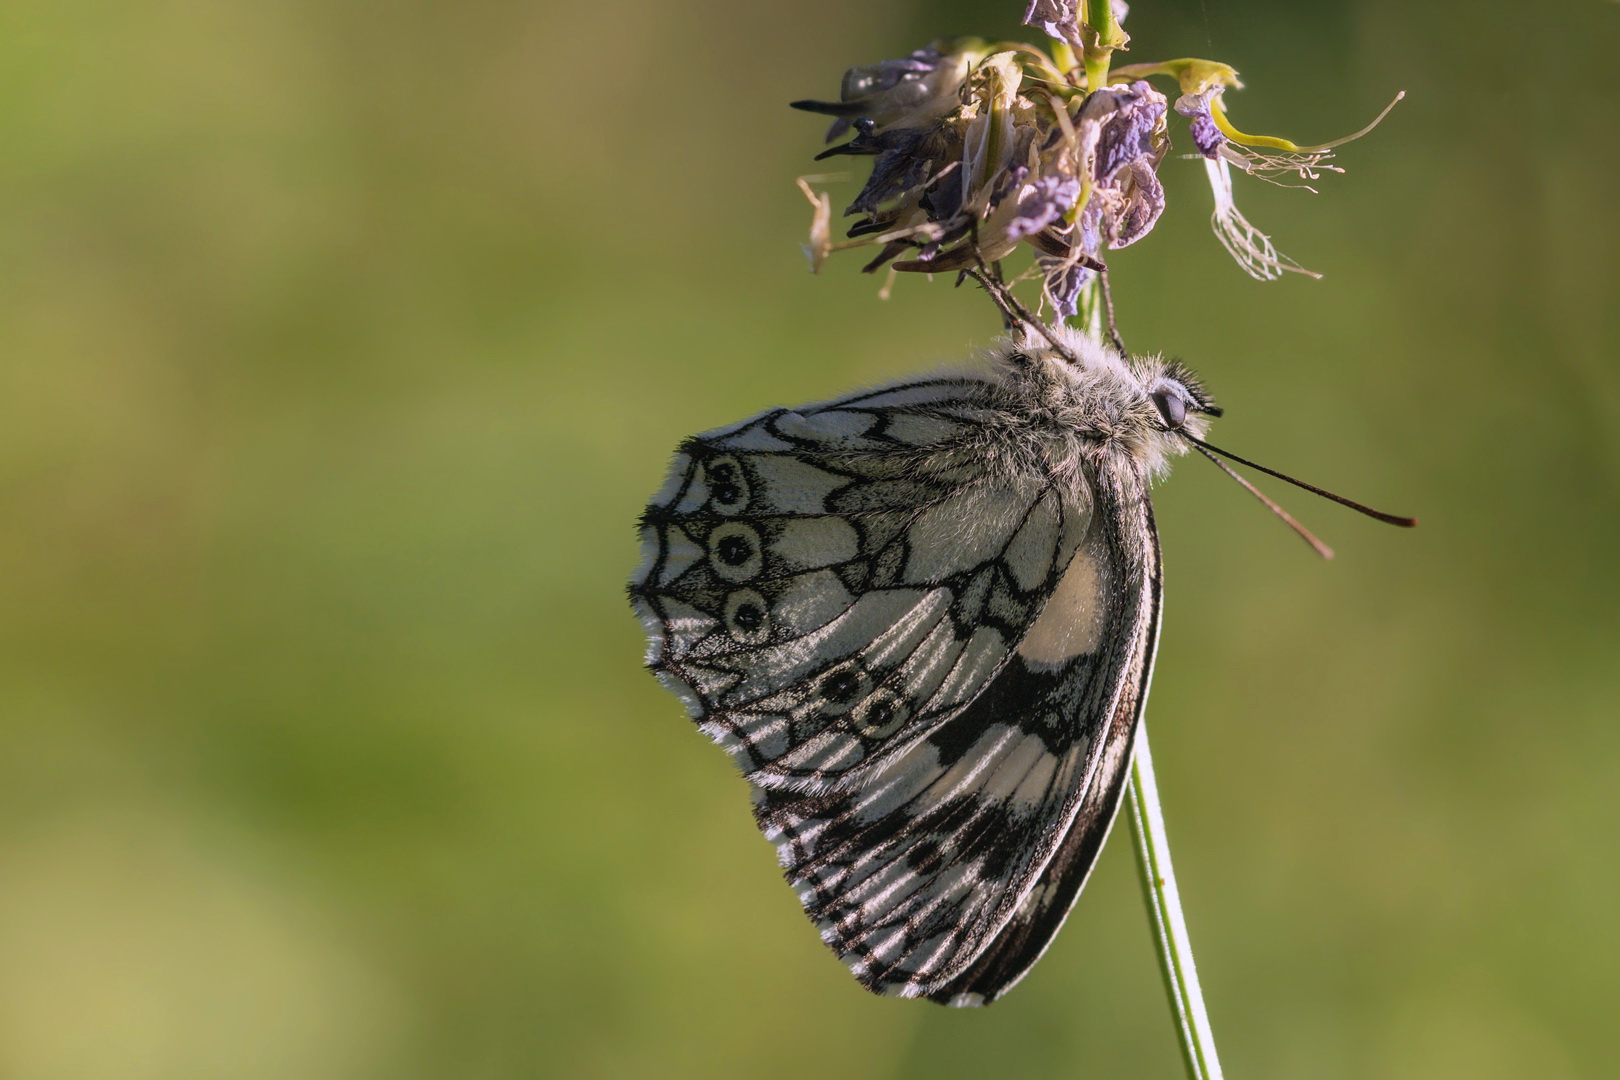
[
  {"x": 946, "y": 871},
  {"x": 826, "y": 586}
]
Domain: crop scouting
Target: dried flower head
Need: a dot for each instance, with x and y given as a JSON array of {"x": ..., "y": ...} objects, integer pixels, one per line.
[{"x": 979, "y": 149}]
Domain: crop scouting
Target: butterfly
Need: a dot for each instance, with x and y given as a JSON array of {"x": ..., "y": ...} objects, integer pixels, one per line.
[{"x": 921, "y": 619}]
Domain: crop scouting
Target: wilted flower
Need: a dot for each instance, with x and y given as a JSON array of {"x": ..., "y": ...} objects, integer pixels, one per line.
[
  {"x": 980, "y": 149},
  {"x": 1252, "y": 248},
  {"x": 906, "y": 92},
  {"x": 1212, "y": 142},
  {"x": 1223, "y": 147}
]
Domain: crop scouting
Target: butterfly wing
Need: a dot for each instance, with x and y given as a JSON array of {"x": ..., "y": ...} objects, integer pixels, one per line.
[
  {"x": 947, "y": 871},
  {"x": 824, "y": 587},
  {"x": 1043, "y": 909}
]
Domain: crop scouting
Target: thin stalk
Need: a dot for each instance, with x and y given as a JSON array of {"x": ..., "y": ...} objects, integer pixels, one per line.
[
  {"x": 1169, "y": 927},
  {"x": 1101, "y": 34},
  {"x": 1153, "y": 846}
]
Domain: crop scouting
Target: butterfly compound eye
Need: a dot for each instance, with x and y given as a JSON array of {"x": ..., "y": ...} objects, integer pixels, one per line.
[{"x": 1171, "y": 407}]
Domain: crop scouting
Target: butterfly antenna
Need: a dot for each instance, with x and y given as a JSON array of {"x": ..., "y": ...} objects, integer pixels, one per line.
[
  {"x": 1379, "y": 515},
  {"x": 1304, "y": 533}
]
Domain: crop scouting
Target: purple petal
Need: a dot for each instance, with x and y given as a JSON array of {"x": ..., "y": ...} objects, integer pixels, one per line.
[
  {"x": 1144, "y": 202},
  {"x": 871, "y": 79},
  {"x": 1205, "y": 135},
  {"x": 1063, "y": 284},
  {"x": 1049, "y": 198},
  {"x": 907, "y": 158},
  {"x": 1128, "y": 117}
]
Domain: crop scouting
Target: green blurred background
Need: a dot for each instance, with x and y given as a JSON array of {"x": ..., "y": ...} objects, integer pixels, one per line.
[{"x": 341, "y": 343}]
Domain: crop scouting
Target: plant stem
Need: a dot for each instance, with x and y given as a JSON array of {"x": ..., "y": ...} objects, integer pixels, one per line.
[
  {"x": 1101, "y": 34},
  {"x": 1169, "y": 927},
  {"x": 1153, "y": 846}
]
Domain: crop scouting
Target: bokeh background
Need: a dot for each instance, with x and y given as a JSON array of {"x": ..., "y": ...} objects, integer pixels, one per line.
[{"x": 341, "y": 343}]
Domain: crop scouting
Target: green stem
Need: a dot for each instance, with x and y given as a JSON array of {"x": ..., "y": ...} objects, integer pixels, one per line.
[
  {"x": 1101, "y": 34},
  {"x": 1169, "y": 927},
  {"x": 1096, "y": 69}
]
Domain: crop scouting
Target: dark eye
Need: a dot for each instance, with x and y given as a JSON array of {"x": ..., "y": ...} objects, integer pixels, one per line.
[
  {"x": 1171, "y": 407},
  {"x": 734, "y": 550}
]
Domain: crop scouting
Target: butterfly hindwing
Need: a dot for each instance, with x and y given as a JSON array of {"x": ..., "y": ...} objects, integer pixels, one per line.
[
  {"x": 1027, "y": 934},
  {"x": 946, "y": 871},
  {"x": 825, "y": 586}
]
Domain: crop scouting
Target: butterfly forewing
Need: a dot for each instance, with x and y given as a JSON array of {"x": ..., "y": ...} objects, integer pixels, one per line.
[{"x": 825, "y": 586}]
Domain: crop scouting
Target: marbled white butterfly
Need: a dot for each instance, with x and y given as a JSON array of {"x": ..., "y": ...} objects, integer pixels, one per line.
[{"x": 921, "y": 619}]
